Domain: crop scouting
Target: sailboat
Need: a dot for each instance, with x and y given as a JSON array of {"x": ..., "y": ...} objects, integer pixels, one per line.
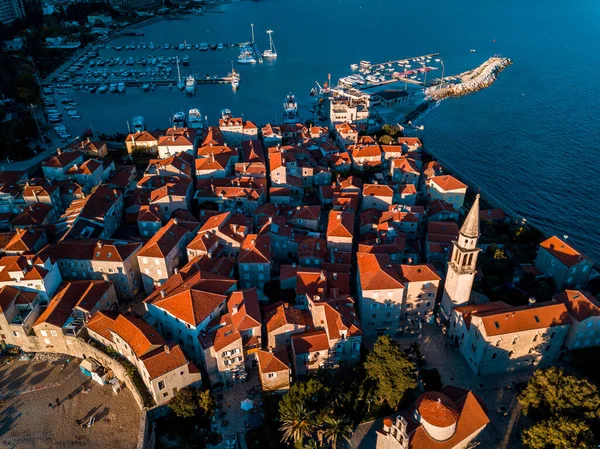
[
  {"x": 180, "y": 82},
  {"x": 271, "y": 53},
  {"x": 190, "y": 85}
]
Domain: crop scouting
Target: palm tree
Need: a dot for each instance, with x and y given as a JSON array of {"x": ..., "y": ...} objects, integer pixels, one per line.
[
  {"x": 336, "y": 430},
  {"x": 297, "y": 424}
]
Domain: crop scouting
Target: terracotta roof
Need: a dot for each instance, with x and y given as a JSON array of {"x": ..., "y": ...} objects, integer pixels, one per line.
[
  {"x": 100, "y": 250},
  {"x": 271, "y": 362},
  {"x": 171, "y": 189},
  {"x": 163, "y": 360},
  {"x": 218, "y": 162},
  {"x": 340, "y": 224},
  {"x": 34, "y": 214},
  {"x": 377, "y": 272},
  {"x": 377, "y": 190},
  {"x": 10, "y": 295},
  {"x": 13, "y": 264},
  {"x": 580, "y": 305},
  {"x": 86, "y": 168},
  {"x": 101, "y": 322},
  {"x": 244, "y": 309},
  {"x": 142, "y": 136},
  {"x": 448, "y": 182},
  {"x": 25, "y": 240},
  {"x": 253, "y": 151},
  {"x": 419, "y": 273},
  {"x": 492, "y": 214},
  {"x": 525, "y": 318},
  {"x": 192, "y": 306},
  {"x": 566, "y": 254},
  {"x": 60, "y": 308},
  {"x": 309, "y": 342},
  {"x": 255, "y": 249},
  {"x": 163, "y": 242},
  {"x": 282, "y": 313},
  {"x": 139, "y": 335},
  {"x": 391, "y": 149},
  {"x": 341, "y": 316},
  {"x": 437, "y": 409},
  {"x": 63, "y": 159},
  {"x": 405, "y": 165},
  {"x": 213, "y": 136},
  {"x": 149, "y": 213},
  {"x": 39, "y": 190},
  {"x": 439, "y": 206},
  {"x": 84, "y": 295},
  {"x": 410, "y": 141},
  {"x": 472, "y": 417}
]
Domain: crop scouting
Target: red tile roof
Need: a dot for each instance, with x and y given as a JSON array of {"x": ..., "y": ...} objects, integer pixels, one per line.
[
  {"x": 448, "y": 182},
  {"x": 377, "y": 272},
  {"x": 163, "y": 242},
  {"x": 271, "y": 362},
  {"x": 340, "y": 224},
  {"x": 280, "y": 314},
  {"x": 255, "y": 249},
  {"x": 309, "y": 342},
  {"x": 580, "y": 305},
  {"x": 437, "y": 409},
  {"x": 525, "y": 318},
  {"x": 163, "y": 360},
  {"x": 244, "y": 309},
  {"x": 566, "y": 254},
  {"x": 139, "y": 335}
]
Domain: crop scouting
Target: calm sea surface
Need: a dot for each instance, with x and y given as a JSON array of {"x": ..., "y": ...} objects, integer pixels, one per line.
[{"x": 531, "y": 141}]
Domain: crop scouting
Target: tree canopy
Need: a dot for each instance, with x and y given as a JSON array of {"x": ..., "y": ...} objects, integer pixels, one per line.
[
  {"x": 568, "y": 408},
  {"x": 190, "y": 402},
  {"x": 393, "y": 373},
  {"x": 559, "y": 433},
  {"x": 553, "y": 392}
]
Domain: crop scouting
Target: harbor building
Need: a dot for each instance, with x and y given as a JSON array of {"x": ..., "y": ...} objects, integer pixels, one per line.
[{"x": 563, "y": 263}]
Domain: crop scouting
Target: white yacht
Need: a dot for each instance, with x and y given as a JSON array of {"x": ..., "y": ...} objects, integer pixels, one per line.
[
  {"x": 138, "y": 124},
  {"x": 226, "y": 114},
  {"x": 179, "y": 119},
  {"x": 190, "y": 85},
  {"x": 195, "y": 119},
  {"x": 235, "y": 82},
  {"x": 271, "y": 53},
  {"x": 246, "y": 57},
  {"x": 290, "y": 109}
]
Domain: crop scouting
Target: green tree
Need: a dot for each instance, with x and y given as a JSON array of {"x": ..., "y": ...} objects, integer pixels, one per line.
[
  {"x": 185, "y": 404},
  {"x": 552, "y": 392},
  {"x": 206, "y": 402},
  {"x": 386, "y": 140},
  {"x": 393, "y": 373},
  {"x": 559, "y": 433},
  {"x": 190, "y": 402},
  {"x": 311, "y": 394},
  {"x": 298, "y": 424},
  {"x": 335, "y": 432}
]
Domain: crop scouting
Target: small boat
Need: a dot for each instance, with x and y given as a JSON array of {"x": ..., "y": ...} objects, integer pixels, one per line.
[
  {"x": 354, "y": 66},
  {"x": 113, "y": 87},
  {"x": 203, "y": 46},
  {"x": 190, "y": 85},
  {"x": 246, "y": 57},
  {"x": 195, "y": 119},
  {"x": 77, "y": 116},
  {"x": 226, "y": 114},
  {"x": 138, "y": 124},
  {"x": 472, "y": 51},
  {"x": 220, "y": 46},
  {"x": 179, "y": 119},
  {"x": 146, "y": 87},
  {"x": 121, "y": 87},
  {"x": 290, "y": 108},
  {"x": 437, "y": 59},
  {"x": 185, "y": 60},
  {"x": 235, "y": 82},
  {"x": 271, "y": 53}
]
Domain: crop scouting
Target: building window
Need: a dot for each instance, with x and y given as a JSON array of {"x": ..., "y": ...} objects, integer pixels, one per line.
[
  {"x": 271, "y": 375},
  {"x": 44, "y": 333},
  {"x": 181, "y": 373},
  {"x": 53, "y": 333},
  {"x": 494, "y": 355},
  {"x": 165, "y": 394},
  {"x": 161, "y": 385}
]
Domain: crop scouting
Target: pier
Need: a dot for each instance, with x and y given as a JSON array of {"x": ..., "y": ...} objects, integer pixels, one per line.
[
  {"x": 163, "y": 82},
  {"x": 471, "y": 80}
]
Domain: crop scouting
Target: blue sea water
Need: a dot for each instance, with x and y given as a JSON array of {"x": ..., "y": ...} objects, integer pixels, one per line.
[{"x": 531, "y": 141}]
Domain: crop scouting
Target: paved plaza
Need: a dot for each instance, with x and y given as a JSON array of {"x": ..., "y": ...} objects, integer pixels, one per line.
[{"x": 27, "y": 420}]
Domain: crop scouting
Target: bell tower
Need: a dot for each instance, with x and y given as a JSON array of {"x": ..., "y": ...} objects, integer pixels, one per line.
[{"x": 462, "y": 264}]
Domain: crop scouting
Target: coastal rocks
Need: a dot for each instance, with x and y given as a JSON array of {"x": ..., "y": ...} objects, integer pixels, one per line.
[{"x": 480, "y": 78}]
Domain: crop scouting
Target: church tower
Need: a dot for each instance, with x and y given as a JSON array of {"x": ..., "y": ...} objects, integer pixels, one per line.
[{"x": 461, "y": 267}]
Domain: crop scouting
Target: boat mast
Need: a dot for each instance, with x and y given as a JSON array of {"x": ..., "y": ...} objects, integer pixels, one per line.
[
  {"x": 178, "y": 72},
  {"x": 252, "y": 25}
]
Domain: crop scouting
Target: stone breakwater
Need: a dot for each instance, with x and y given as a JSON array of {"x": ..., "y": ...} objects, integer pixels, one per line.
[{"x": 471, "y": 81}]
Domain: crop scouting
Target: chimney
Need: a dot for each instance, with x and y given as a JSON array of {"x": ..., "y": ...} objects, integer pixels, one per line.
[
  {"x": 322, "y": 276},
  {"x": 99, "y": 244},
  {"x": 58, "y": 151},
  {"x": 167, "y": 349},
  {"x": 162, "y": 294},
  {"x": 235, "y": 309},
  {"x": 175, "y": 221},
  {"x": 212, "y": 187},
  {"x": 30, "y": 262},
  {"x": 176, "y": 270},
  {"x": 212, "y": 156},
  {"x": 532, "y": 300}
]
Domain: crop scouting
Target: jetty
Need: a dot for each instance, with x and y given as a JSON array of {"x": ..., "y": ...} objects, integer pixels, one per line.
[{"x": 470, "y": 81}]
